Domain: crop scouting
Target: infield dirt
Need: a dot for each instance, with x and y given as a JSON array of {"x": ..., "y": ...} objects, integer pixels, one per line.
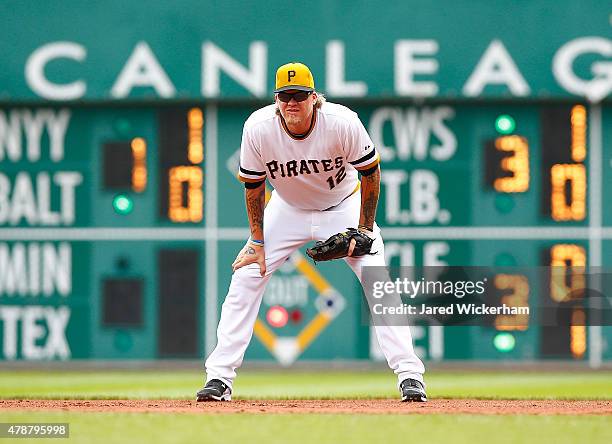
[{"x": 369, "y": 406}]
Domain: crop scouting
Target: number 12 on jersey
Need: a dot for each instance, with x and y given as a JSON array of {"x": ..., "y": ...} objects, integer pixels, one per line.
[{"x": 339, "y": 177}]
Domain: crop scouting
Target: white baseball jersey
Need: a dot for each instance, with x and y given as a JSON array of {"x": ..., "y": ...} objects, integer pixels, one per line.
[{"x": 314, "y": 171}]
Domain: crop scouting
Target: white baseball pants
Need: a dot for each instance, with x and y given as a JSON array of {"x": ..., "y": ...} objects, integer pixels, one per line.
[{"x": 286, "y": 229}]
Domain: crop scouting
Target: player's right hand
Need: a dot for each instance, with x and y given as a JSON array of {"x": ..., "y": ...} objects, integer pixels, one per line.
[{"x": 250, "y": 254}]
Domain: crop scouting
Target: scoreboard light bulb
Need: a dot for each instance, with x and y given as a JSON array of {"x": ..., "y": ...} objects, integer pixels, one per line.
[
  {"x": 567, "y": 281},
  {"x": 192, "y": 175},
  {"x": 575, "y": 174},
  {"x": 122, "y": 204},
  {"x": 277, "y": 316},
  {"x": 519, "y": 297},
  {"x": 195, "y": 123},
  {"x": 578, "y": 119},
  {"x": 139, "y": 170},
  {"x": 504, "y": 342},
  {"x": 517, "y": 164},
  {"x": 505, "y": 124},
  {"x": 578, "y": 344}
]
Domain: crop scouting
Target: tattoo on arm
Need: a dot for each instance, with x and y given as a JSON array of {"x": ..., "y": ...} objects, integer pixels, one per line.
[
  {"x": 370, "y": 190},
  {"x": 255, "y": 204}
]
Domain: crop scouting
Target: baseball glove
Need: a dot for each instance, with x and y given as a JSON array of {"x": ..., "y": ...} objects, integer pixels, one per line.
[{"x": 337, "y": 246}]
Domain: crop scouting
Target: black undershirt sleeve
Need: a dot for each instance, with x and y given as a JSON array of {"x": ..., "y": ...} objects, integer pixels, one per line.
[
  {"x": 253, "y": 185},
  {"x": 369, "y": 171}
]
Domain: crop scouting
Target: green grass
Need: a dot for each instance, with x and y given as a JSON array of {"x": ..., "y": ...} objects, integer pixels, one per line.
[
  {"x": 322, "y": 429},
  {"x": 303, "y": 385},
  {"x": 91, "y": 427}
]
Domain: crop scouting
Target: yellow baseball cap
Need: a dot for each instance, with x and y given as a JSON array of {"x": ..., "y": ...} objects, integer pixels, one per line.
[{"x": 294, "y": 76}]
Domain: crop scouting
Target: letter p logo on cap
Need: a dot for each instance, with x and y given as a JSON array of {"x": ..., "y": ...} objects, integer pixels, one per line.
[{"x": 294, "y": 76}]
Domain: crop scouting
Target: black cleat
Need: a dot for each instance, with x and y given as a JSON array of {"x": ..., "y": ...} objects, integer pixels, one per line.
[
  {"x": 412, "y": 391},
  {"x": 214, "y": 390}
]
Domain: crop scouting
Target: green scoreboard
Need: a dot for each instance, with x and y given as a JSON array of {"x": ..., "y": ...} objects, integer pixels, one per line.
[
  {"x": 120, "y": 211},
  {"x": 119, "y": 226}
]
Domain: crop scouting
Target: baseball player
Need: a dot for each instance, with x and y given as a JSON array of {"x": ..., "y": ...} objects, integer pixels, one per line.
[{"x": 313, "y": 153}]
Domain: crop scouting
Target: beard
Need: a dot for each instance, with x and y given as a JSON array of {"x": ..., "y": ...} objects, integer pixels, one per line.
[{"x": 293, "y": 120}]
